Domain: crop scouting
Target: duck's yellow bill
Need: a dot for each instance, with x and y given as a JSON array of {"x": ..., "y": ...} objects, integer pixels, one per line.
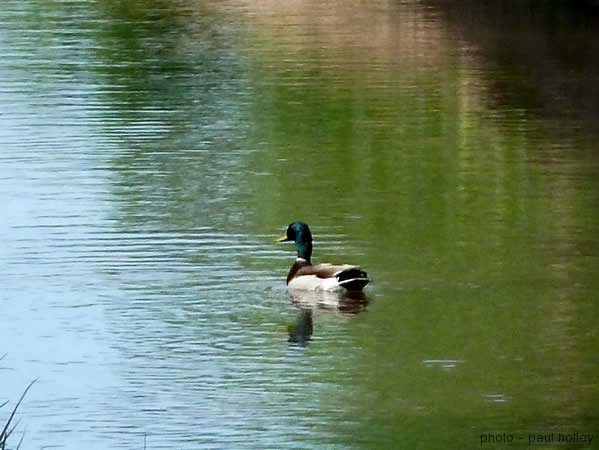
[{"x": 282, "y": 238}]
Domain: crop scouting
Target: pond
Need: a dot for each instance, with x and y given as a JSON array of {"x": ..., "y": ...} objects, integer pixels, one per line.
[{"x": 152, "y": 151}]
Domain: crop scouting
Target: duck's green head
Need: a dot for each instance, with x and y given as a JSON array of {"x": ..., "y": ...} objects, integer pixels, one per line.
[{"x": 299, "y": 232}]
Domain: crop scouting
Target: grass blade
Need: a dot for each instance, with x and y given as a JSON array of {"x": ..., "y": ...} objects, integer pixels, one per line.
[{"x": 4, "y": 435}]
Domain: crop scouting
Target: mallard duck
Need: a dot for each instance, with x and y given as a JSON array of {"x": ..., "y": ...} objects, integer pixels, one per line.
[{"x": 304, "y": 275}]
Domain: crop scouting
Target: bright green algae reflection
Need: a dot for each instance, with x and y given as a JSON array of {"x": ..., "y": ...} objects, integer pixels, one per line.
[{"x": 203, "y": 130}]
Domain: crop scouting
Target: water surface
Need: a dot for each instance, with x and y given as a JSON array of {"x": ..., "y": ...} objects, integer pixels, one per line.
[{"x": 152, "y": 151}]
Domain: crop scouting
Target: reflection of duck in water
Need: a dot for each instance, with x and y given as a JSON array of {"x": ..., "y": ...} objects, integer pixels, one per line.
[
  {"x": 321, "y": 302},
  {"x": 301, "y": 332},
  {"x": 304, "y": 275},
  {"x": 350, "y": 302}
]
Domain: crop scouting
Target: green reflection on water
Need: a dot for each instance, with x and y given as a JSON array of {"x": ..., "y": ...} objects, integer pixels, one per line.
[
  {"x": 476, "y": 226},
  {"x": 478, "y": 229}
]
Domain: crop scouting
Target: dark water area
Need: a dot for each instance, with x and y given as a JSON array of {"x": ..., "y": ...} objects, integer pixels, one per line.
[
  {"x": 151, "y": 152},
  {"x": 547, "y": 50}
]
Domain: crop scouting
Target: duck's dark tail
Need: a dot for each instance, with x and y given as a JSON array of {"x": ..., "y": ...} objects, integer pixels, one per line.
[{"x": 353, "y": 279}]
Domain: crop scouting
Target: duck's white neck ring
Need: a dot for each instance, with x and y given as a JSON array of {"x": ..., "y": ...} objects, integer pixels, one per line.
[{"x": 302, "y": 260}]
